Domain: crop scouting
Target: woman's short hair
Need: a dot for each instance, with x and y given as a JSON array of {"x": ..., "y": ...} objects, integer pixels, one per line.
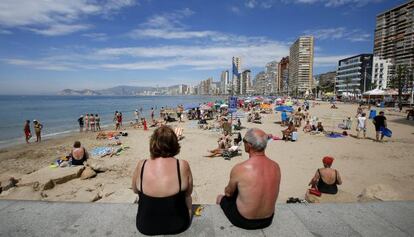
[
  {"x": 164, "y": 143},
  {"x": 77, "y": 144}
]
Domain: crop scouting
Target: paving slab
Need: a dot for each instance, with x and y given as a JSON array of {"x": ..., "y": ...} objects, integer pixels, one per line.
[{"x": 400, "y": 214}]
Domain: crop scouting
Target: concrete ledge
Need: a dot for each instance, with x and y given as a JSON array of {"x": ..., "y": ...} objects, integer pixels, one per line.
[{"x": 34, "y": 218}]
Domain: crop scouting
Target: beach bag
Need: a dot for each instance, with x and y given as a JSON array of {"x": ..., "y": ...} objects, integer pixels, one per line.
[
  {"x": 294, "y": 136},
  {"x": 386, "y": 132},
  {"x": 314, "y": 191}
]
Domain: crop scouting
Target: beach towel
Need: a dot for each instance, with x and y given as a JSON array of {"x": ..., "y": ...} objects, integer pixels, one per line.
[
  {"x": 100, "y": 151},
  {"x": 334, "y": 135}
]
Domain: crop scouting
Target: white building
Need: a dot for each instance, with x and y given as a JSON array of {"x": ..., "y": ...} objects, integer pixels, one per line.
[
  {"x": 245, "y": 82},
  {"x": 301, "y": 65},
  {"x": 381, "y": 73},
  {"x": 236, "y": 64},
  {"x": 272, "y": 75},
  {"x": 224, "y": 82}
]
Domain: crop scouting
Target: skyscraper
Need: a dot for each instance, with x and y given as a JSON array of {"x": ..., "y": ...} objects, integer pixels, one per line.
[
  {"x": 283, "y": 76},
  {"x": 272, "y": 75},
  {"x": 236, "y": 63},
  {"x": 394, "y": 35},
  {"x": 381, "y": 72},
  {"x": 260, "y": 83},
  {"x": 245, "y": 82},
  {"x": 224, "y": 82},
  {"x": 301, "y": 65}
]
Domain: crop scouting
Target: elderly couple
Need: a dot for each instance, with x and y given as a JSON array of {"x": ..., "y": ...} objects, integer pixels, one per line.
[{"x": 164, "y": 185}]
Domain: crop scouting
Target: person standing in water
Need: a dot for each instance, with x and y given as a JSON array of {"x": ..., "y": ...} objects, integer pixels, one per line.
[
  {"x": 81, "y": 124},
  {"x": 38, "y": 130},
  {"x": 27, "y": 132},
  {"x": 97, "y": 122}
]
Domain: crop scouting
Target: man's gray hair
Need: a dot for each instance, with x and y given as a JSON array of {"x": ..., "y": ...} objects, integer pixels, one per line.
[{"x": 258, "y": 141}]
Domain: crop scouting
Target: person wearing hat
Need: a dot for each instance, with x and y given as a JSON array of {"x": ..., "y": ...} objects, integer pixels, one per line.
[
  {"x": 81, "y": 123},
  {"x": 38, "y": 130},
  {"x": 326, "y": 179}
]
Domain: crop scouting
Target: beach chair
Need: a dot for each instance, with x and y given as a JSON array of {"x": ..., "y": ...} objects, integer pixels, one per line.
[{"x": 179, "y": 132}]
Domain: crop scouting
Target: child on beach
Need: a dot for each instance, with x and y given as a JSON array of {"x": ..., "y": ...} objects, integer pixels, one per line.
[
  {"x": 144, "y": 123},
  {"x": 362, "y": 125}
]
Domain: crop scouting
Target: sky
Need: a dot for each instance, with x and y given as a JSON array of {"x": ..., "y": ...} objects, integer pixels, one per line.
[{"x": 47, "y": 46}]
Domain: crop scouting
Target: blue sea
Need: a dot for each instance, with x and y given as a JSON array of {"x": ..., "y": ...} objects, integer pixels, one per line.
[{"x": 59, "y": 114}]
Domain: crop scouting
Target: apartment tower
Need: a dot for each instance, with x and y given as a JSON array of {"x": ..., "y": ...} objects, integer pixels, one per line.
[{"x": 301, "y": 66}]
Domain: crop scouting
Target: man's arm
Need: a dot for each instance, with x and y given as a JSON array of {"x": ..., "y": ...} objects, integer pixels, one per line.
[{"x": 232, "y": 185}]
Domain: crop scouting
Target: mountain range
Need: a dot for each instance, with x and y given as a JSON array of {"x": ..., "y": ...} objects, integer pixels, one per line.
[{"x": 118, "y": 91}]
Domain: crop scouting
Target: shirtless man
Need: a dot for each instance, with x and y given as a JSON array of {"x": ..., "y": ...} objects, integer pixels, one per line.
[{"x": 250, "y": 196}]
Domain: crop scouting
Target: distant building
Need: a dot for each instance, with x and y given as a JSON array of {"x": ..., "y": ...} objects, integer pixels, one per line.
[
  {"x": 394, "y": 36},
  {"x": 272, "y": 76},
  {"x": 354, "y": 74},
  {"x": 283, "y": 76},
  {"x": 301, "y": 66},
  {"x": 205, "y": 87},
  {"x": 182, "y": 89},
  {"x": 325, "y": 81},
  {"x": 260, "y": 83},
  {"x": 236, "y": 65},
  {"x": 245, "y": 82},
  {"x": 381, "y": 72},
  {"x": 224, "y": 82}
]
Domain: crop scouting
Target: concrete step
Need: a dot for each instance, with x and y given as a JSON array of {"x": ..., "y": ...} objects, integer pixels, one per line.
[{"x": 34, "y": 218}]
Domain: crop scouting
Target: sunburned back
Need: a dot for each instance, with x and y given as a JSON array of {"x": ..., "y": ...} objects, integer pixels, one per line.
[
  {"x": 258, "y": 186},
  {"x": 328, "y": 175},
  {"x": 160, "y": 178}
]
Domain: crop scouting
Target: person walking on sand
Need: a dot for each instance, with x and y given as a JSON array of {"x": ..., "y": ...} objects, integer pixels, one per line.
[
  {"x": 380, "y": 122},
  {"x": 87, "y": 122},
  {"x": 152, "y": 114},
  {"x": 27, "y": 132},
  {"x": 249, "y": 198},
  {"x": 97, "y": 122},
  {"x": 362, "y": 125},
  {"x": 136, "y": 115},
  {"x": 81, "y": 124},
  {"x": 38, "y": 130},
  {"x": 92, "y": 122}
]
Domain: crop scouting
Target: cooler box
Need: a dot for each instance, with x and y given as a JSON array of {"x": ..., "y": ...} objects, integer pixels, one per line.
[{"x": 294, "y": 136}]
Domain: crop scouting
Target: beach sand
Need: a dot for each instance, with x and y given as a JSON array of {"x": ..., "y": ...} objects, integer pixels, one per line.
[{"x": 361, "y": 162}]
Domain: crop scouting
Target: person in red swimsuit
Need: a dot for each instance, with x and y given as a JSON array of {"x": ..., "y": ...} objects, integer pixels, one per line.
[{"x": 27, "y": 132}]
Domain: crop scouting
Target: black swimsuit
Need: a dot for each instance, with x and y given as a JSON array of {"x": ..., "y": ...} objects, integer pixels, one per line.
[
  {"x": 162, "y": 215},
  {"x": 229, "y": 206},
  {"x": 327, "y": 188}
]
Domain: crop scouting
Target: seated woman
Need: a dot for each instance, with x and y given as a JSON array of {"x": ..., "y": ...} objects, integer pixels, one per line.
[
  {"x": 164, "y": 185},
  {"x": 308, "y": 127},
  {"x": 287, "y": 133},
  {"x": 318, "y": 127},
  {"x": 219, "y": 151},
  {"x": 224, "y": 141},
  {"x": 238, "y": 126},
  {"x": 78, "y": 154},
  {"x": 326, "y": 179}
]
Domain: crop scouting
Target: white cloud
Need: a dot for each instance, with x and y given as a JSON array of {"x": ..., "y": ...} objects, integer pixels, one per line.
[
  {"x": 5, "y": 32},
  {"x": 250, "y": 3},
  {"x": 355, "y": 35},
  {"x": 54, "y": 17},
  {"x": 326, "y": 3},
  {"x": 96, "y": 36},
  {"x": 324, "y": 61},
  {"x": 60, "y": 29}
]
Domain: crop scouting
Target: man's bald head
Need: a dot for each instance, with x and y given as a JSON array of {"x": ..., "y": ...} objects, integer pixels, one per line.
[{"x": 257, "y": 138}]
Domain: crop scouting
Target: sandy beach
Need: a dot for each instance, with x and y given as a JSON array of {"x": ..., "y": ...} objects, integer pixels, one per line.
[{"x": 361, "y": 162}]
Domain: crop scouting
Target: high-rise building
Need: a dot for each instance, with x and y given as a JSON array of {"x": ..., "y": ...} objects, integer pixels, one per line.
[
  {"x": 224, "y": 82},
  {"x": 301, "y": 65},
  {"x": 283, "y": 76},
  {"x": 381, "y": 73},
  {"x": 260, "y": 83},
  {"x": 272, "y": 75},
  {"x": 245, "y": 82},
  {"x": 354, "y": 74},
  {"x": 236, "y": 64},
  {"x": 394, "y": 36}
]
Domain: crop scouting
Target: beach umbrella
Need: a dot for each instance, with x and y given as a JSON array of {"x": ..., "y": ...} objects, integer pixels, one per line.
[
  {"x": 288, "y": 103},
  {"x": 191, "y": 106},
  {"x": 284, "y": 108},
  {"x": 205, "y": 107},
  {"x": 224, "y": 106}
]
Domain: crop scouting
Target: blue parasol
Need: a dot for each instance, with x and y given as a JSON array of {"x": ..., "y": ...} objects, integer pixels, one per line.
[{"x": 284, "y": 108}]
